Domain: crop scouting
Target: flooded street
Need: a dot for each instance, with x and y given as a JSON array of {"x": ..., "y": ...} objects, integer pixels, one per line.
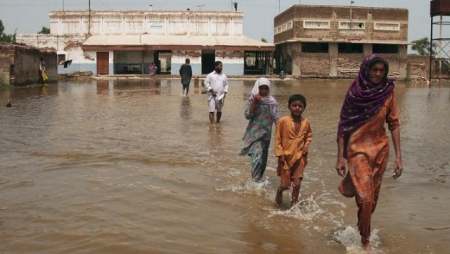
[{"x": 133, "y": 167}]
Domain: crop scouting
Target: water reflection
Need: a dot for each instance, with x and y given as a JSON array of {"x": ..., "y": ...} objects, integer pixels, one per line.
[
  {"x": 185, "y": 108},
  {"x": 155, "y": 87},
  {"x": 103, "y": 86}
]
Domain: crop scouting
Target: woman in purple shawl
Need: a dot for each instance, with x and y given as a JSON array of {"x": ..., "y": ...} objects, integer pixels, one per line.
[
  {"x": 362, "y": 140},
  {"x": 262, "y": 112}
]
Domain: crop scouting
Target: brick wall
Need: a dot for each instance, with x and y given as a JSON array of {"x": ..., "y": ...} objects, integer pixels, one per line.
[
  {"x": 285, "y": 16},
  {"x": 394, "y": 64},
  {"x": 348, "y": 65},
  {"x": 418, "y": 67},
  {"x": 315, "y": 64},
  {"x": 336, "y": 14}
]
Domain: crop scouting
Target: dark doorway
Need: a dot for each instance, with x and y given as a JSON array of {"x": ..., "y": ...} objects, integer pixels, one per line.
[
  {"x": 208, "y": 59},
  {"x": 256, "y": 62}
]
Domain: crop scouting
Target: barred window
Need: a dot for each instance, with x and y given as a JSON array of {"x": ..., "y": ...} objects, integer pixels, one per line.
[
  {"x": 353, "y": 25},
  {"x": 387, "y": 26},
  {"x": 316, "y": 24},
  {"x": 289, "y": 25}
]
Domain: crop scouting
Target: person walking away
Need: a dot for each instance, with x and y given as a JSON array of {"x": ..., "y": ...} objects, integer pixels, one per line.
[
  {"x": 216, "y": 84},
  {"x": 292, "y": 138},
  {"x": 262, "y": 112},
  {"x": 186, "y": 75},
  {"x": 362, "y": 141}
]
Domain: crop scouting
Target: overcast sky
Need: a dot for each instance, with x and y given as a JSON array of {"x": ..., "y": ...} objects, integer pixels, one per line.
[{"x": 29, "y": 16}]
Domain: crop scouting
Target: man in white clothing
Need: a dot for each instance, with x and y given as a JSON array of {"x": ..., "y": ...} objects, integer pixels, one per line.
[{"x": 216, "y": 84}]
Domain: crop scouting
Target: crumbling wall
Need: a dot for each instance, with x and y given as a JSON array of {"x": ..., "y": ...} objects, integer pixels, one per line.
[
  {"x": 19, "y": 64},
  {"x": 6, "y": 61},
  {"x": 418, "y": 67},
  {"x": 348, "y": 64},
  {"x": 315, "y": 64}
]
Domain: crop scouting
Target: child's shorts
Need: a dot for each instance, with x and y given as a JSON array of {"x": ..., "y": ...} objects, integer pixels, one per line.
[{"x": 296, "y": 171}]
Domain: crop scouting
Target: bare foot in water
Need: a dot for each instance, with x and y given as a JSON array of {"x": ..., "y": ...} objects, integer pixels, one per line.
[
  {"x": 279, "y": 198},
  {"x": 367, "y": 248}
]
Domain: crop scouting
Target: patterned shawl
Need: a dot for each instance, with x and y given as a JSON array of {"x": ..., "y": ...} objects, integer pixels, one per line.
[{"x": 363, "y": 99}]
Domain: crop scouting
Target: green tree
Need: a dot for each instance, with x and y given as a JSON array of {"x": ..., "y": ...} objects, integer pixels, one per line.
[
  {"x": 4, "y": 37},
  {"x": 2, "y": 27},
  {"x": 44, "y": 30},
  {"x": 422, "y": 46},
  {"x": 263, "y": 40}
]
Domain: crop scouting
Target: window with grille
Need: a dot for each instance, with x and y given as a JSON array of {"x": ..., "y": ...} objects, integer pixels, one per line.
[
  {"x": 353, "y": 25},
  {"x": 386, "y": 26},
  {"x": 316, "y": 24}
]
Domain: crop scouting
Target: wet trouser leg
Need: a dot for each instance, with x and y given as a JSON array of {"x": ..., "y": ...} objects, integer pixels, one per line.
[
  {"x": 259, "y": 160},
  {"x": 365, "y": 211},
  {"x": 296, "y": 191},
  {"x": 279, "y": 195}
]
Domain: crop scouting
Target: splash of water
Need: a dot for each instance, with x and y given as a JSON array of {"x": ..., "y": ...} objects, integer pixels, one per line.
[
  {"x": 350, "y": 238},
  {"x": 249, "y": 186},
  {"x": 306, "y": 210}
]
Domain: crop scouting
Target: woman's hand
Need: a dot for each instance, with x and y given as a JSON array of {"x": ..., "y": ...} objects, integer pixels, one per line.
[
  {"x": 340, "y": 167},
  {"x": 258, "y": 98},
  {"x": 398, "y": 168}
]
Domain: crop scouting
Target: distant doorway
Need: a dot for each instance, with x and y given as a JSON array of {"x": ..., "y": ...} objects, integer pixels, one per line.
[
  {"x": 103, "y": 63},
  {"x": 163, "y": 60},
  {"x": 208, "y": 59},
  {"x": 256, "y": 63}
]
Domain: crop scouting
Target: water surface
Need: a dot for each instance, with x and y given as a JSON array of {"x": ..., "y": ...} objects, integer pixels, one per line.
[{"x": 133, "y": 167}]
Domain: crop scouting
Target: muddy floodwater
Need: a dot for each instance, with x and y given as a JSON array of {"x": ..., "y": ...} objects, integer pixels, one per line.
[{"x": 122, "y": 166}]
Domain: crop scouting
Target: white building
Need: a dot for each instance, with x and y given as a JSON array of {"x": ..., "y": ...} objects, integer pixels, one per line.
[{"x": 118, "y": 42}]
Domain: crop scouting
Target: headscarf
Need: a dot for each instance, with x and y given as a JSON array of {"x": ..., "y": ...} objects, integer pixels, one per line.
[
  {"x": 364, "y": 99},
  {"x": 269, "y": 100}
]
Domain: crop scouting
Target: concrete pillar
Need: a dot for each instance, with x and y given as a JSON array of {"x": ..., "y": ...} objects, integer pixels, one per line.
[
  {"x": 403, "y": 61},
  {"x": 333, "y": 51},
  {"x": 296, "y": 59},
  {"x": 367, "y": 49},
  {"x": 288, "y": 58}
]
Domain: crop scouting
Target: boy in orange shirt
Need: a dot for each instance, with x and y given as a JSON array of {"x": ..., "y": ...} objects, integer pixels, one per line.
[{"x": 292, "y": 138}]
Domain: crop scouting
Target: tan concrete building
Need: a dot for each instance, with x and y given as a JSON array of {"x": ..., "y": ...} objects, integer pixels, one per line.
[
  {"x": 331, "y": 41},
  {"x": 117, "y": 42}
]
